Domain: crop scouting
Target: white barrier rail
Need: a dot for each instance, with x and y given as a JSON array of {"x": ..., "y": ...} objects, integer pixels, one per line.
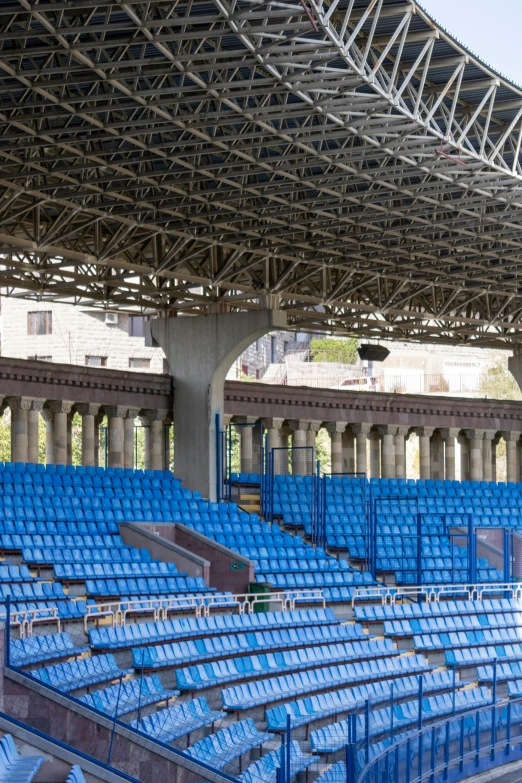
[
  {"x": 433, "y": 593},
  {"x": 116, "y": 612}
]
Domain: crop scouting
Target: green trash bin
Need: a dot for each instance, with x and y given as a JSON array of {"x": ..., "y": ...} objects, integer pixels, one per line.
[{"x": 264, "y": 588}]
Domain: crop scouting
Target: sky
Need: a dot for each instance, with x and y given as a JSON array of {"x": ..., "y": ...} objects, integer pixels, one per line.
[{"x": 489, "y": 29}]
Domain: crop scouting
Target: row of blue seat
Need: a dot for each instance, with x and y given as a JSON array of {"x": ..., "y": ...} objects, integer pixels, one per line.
[
  {"x": 442, "y": 624},
  {"x": 177, "y": 721},
  {"x": 150, "y": 585},
  {"x": 220, "y": 749},
  {"x": 207, "y": 675},
  {"x": 283, "y": 566},
  {"x": 15, "y": 768},
  {"x": 81, "y": 673},
  {"x": 128, "y": 695},
  {"x": 11, "y": 573},
  {"x": 265, "y": 770},
  {"x": 32, "y": 591},
  {"x": 80, "y": 470},
  {"x": 332, "y": 738},
  {"x": 65, "y": 610},
  {"x": 502, "y": 672},
  {"x": 172, "y": 630},
  {"x": 485, "y": 637},
  {"x": 473, "y": 656},
  {"x": 19, "y": 542},
  {"x": 82, "y": 571},
  {"x": 36, "y": 649},
  {"x": 49, "y": 556},
  {"x": 160, "y": 656},
  {"x": 322, "y": 705},
  {"x": 260, "y": 692},
  {"x": 59, "y": 528},
  {"x": 377, "y": 612},
  {"x": 316, "y": 579}
]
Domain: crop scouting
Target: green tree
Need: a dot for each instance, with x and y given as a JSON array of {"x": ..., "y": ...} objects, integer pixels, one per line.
[
  {"x": 326, "y": 349},
  {"x": 497, "y": 383}
]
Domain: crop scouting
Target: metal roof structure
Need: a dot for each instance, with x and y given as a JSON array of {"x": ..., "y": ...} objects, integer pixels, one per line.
[{"x": 347, "y": 156}]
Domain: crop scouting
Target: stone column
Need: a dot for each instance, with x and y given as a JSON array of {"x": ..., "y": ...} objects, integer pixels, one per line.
[
  {"x": 128, "y": 437},
  {"x": 88, "y": 412},
  {"x": 388, "y": 433},
  {"x": 246, "y": 448},
  {"x": 33, "y": 418},
  {"x": 155, "y": 419},
  {"x": 19, "y": 441},
  {"x": 69, "y": 438},
  {"x": 449, "y": 436},
  {"x": 424, "y": 434},
  {"x": 97, "y": 424},
  {"x": 115, "y": 414},
  {"x": 48, "y": 417},
  {"x": 361, "y": 432},
  {"x": 487, "y": 473},
  {"x": 494, "y": 445},
  {"x": 311, "y": 435},
  {"x": 283, "y": 464},
  {"x": 299, "y": 429},
  {"x": 276, "y": 456},
  {"x": 400, "y": 451},
  {"x": 257, "y": 434},
  {"x": 60, "y": 409},
  {"x": 511, "y": 439},
  {"x": 476, "y": 438},
  {"x": 348, "y": 450},
  {"x": 464, "y": 457},
  {"x": 437, "y": 456},
  {"x": 336, "y": 430},
  {"x": 375, "y": 454}
]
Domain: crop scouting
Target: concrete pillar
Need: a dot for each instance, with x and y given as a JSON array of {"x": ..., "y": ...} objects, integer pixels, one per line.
[
  {"x": 375, "y": 453},
  {"x": 424, "y": 434},
  {"x": 48, "y": 417},
  {"x": 246, "y": 442},
  {"x": 400, "y": 451},
  {"x": 449, "y": 436},
  {"x": 476, "y": 439},
  {"x": 388, "y": 433},
  {"x": 311, "y": 454},
  {"x": 336, "y": 430},
  {"x": 511, "y": 439},
  {"x": 275, "y": 455},
  {"x": 128, "y": 437},
  {"x": 299, "y": 429},
  {"x": 465, "y": 472},
  {"x": 97, "y": 424},
  {"x": 33, "y": 419},
  {"x": 199, "y": 352},
  {"x": 19, "y": 441},
  {"x": 60, "y": 410},
  {"x": 257, "y": 435},
  {"x": 348, "y": 450},
  {"x": 155, "y": 419},
  {"x": 283, "y": 465},
  {"x": 487, "y": 472},
  {"x": 115, "y": 414},
  {"x": 88, "y": 412},
  {"x": 361, "y": 432},
  {"x": 69, "y": 438},
  {"x": 437, "y": 455},
  {"x": 494, "y": 445}
]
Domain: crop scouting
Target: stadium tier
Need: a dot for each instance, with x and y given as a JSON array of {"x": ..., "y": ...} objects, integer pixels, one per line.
[{"x": 224, "y": 686}]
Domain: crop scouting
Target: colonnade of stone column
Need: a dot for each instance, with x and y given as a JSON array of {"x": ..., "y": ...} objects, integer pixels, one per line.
[
  {"x": 380, "y": 451},
  {"x": 58, "y": 415}
]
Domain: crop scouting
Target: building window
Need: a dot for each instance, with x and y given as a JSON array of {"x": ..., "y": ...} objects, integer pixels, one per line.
[
  {"x": 40, "y": 322},
  {"x": 137, "y": 325},
  {"x": 96, "y": 361},
  {"x": 141, "y": 364},
  {"x": 41, "y": 358}
]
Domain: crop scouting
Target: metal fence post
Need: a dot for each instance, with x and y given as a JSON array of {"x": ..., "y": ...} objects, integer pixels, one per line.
[
  {"x": 282, "y": 760},
  {"x": 139, "y": 692},
  {"x": 391, "y": 714},
  {"x": 288, "y": 747},
  {"x": 7, "y": 651},
  {"x": 366, "y": 731},
  {"x": 454, "y": 689},
  {"x": 114, "y": 721}
]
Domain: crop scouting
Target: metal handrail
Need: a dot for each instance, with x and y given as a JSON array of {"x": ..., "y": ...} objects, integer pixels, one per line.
[
  {"x": 433, "y": 593},
  {"x": 160, "y": 608}
]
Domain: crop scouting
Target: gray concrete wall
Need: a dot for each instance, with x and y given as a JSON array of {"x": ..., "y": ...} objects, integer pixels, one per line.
[
  {"x": 228, "y": 569},
  {"x": 160, "y": 540}
]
